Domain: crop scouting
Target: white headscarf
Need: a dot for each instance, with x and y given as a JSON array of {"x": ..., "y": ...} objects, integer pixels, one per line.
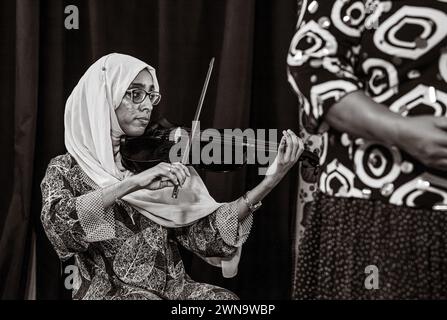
[{"x": 92, "y": 135}]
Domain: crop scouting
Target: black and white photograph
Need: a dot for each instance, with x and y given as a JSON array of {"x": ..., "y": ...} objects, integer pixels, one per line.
[{"x": 245, "y": 152}]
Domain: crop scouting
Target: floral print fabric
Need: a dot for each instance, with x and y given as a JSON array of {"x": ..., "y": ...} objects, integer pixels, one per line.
[{"x": 129, "y": 256}]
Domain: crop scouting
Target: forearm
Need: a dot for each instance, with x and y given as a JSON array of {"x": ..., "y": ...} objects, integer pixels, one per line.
[
  {"x": 118, "y": 190},
  {"x": 231, "y": 221},
  {"x": 360, "y": 116},
  {"x": 256, "y": 194}
]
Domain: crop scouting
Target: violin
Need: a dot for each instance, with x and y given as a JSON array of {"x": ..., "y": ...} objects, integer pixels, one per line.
[{"x": 154, "y": 147}]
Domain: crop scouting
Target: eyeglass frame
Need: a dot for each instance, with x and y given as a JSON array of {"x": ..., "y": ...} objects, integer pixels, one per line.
[{"x": 130, "y": 91}]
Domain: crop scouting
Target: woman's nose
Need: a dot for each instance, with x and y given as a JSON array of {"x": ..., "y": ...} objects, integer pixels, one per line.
[{"x": 146, "y": 105}]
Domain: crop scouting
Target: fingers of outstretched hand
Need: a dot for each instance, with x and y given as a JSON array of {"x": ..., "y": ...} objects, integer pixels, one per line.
[
  {"x": 296, "y": 146},
  {"x": 282, "y": 147},
  {"x": 289, "y": 146}
]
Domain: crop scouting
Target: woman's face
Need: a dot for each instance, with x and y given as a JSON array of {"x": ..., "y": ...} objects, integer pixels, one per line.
[{"x": 134, "y": 118}]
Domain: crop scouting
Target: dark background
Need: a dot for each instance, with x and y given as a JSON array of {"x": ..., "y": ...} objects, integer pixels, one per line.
[{"x": 41, "y": 62}]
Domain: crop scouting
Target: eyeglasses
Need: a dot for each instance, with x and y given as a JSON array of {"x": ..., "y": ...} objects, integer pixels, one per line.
[{"x": 139, "y": 95}]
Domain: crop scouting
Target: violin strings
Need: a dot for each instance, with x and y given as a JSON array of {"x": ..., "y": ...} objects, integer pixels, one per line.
[
  {"x": 258, "y": 147},
  {"x": 272, "y": 146},
  {"x": 229, "y": 140},
  {"x": 226, "y": 137}
]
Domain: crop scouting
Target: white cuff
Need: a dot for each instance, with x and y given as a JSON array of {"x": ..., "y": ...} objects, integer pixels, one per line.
[{"x": 97, "y": 222}]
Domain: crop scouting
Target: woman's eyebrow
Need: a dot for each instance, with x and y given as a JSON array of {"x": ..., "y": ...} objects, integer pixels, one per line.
[{"x": 142, "y": 85}]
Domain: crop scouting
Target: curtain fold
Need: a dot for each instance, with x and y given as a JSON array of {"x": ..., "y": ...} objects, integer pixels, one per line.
[{"x": 15, "y": 241}]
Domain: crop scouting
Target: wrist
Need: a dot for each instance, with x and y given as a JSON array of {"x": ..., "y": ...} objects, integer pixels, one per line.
[
  {"x": 251, "y": 205},
  {"x": 133, "y": 183},
  {"x": 384, "y": 125},
  {"x": 395, "y": 127}
]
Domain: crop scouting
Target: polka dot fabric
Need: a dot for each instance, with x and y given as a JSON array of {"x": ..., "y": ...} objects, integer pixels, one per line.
[
  {"x": 344, "y": 236},
  {"x": 231, "y": 231},
  {"x": 97, "y": 222}
]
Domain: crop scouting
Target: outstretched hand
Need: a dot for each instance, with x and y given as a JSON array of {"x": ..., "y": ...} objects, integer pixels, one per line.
[{"x": 289, "y": 151}]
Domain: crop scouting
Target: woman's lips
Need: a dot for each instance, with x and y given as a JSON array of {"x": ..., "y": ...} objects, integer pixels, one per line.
[{"x": 143, "y": 120}]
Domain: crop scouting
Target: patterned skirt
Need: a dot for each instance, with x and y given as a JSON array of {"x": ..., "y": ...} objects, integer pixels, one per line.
[{"x": 363, "y": 249}]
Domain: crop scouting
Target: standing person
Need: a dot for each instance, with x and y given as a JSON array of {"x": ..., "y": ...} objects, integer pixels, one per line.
[{"x": 372, "y": 80}]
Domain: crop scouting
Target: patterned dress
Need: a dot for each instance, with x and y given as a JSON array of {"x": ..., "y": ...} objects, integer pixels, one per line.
[
  {"x": 119, "y": 253},
  {"x": 372, "y": 204}
]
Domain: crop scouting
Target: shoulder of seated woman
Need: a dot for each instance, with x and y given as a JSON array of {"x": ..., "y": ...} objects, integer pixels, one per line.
[{"x": 63, "y": 161}]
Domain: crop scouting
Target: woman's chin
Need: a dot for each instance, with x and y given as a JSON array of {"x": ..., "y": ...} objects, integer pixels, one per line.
[{"x": 136, "y": 131}]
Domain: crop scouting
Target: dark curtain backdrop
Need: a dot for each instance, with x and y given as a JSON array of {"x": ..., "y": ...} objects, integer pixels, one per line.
[{"x": 41, "y": 62}]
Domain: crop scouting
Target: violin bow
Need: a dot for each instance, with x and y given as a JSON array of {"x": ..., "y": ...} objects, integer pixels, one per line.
[{"x": 195, "y": 122}]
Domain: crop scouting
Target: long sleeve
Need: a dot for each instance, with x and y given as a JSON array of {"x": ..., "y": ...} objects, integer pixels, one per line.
[
  {"x": 322, "y": 59},
  {"x": 218, "y": 235},
  {"x": 72, "y": 222}
]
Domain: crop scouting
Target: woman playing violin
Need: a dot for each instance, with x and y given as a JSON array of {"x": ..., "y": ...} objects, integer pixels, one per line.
[{"x": 122, "y": 228}]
